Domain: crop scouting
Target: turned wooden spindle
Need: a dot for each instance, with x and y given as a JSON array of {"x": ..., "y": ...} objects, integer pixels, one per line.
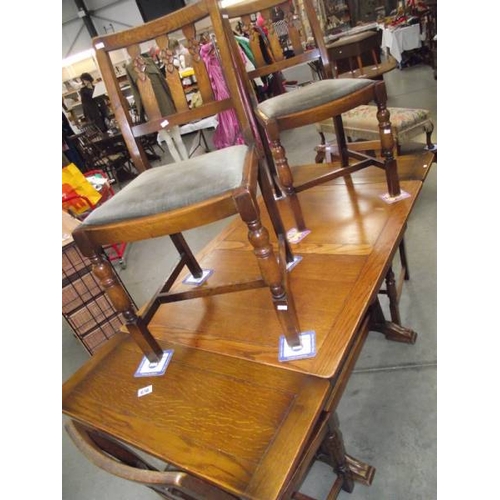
[
  {"x": 273, "y": 276},
  {"x": 286, "y": 180},
  {"x": 387, "y": 140},
  {"x": 103, "y": 271}
]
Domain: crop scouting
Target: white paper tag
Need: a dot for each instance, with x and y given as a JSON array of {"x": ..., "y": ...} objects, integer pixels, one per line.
[
  {"x": 148, "y": 369},
  {"x": 393, "y": 199},
  {"x": 296, "y": 260},
  {"x": 307, "y": 348},
  {"x": 164, "y": 123},
  {"x": 295, "y": 236},
  {"x": 99, "y": 45},
  {"x": 191, "y": 280},
  {"x": 145, "y": 390}
]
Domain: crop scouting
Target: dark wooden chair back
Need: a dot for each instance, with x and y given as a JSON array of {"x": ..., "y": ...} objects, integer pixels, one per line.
[
  {"x": 189, "y": 24},
  {"x": 112, "y": 160},
  {"x": 170, "y": 199},
  {"x": 91, "y": 131},
  {"x": 295, "y": 38},
  {"x": 121, "y": 461},
  {"x": 291, "y": 37}
]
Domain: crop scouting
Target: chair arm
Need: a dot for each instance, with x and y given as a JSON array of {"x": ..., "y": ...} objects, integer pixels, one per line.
[{"x": 85, "y": 441}]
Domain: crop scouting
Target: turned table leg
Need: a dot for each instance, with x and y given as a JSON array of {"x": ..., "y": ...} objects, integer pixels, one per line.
[
  {"x": 391, "y": 330},
  {"x": 347, "y": 468}
]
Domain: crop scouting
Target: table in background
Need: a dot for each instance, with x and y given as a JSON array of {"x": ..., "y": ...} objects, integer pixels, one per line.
[
  {"x": 358, "y": 56},
  {"x": 399, "y": 40}
]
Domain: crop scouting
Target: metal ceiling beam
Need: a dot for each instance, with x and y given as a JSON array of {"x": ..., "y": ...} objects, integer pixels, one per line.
[{"x": 84, "y": 14}]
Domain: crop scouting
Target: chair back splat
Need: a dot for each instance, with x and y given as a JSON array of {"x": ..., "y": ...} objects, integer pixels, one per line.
[
  {"x": 277, "y": 36},
  {"x": 170, "y": 199}
]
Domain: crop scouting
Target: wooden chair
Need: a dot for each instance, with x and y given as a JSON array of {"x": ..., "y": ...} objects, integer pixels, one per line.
[
  {"x": 170, "y": 199},
  {"x": 325, "y": 99},
  {"x": 115, "y": 161},
  {"x": 225, "y": 428}
]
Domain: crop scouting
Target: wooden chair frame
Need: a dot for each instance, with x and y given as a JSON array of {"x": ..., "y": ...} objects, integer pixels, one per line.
[
  {"x": 243, "y": 200},
  {"x": 271, "y": 128}
]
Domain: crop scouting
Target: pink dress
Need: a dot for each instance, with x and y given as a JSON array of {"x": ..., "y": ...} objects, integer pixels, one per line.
[{"x": 228, "y": 132}]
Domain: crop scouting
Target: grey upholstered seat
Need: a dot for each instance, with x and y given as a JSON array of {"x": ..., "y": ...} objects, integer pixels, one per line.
[
  {"x": 313, "y": 95},
  {"x": 174, "y": 186}
]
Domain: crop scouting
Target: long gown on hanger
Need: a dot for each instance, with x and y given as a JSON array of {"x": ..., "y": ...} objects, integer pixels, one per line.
[{"x": 228, "y": 132}]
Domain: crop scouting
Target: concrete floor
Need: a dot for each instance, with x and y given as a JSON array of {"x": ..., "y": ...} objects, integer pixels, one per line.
[{"x": 388, "y": 411}]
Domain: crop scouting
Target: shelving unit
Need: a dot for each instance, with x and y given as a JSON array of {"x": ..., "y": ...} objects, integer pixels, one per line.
[
  {"x": 85, "y": 306},
  {"x": 71, "y": 83}
]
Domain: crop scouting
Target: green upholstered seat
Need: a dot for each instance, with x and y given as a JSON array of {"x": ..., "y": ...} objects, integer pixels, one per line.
[
  {"x": 169, "y": 187},
  {"x": 308, "y": 97}
]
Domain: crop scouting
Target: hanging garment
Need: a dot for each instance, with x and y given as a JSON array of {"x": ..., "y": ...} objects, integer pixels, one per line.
[
  {"x": 274, "y": 81},
  {"x": 244, "y": 43},
  {"x": 174, "y": 143},
  {"x": 250, "y": 66},
  {"x": 228, "y": 132},
  {"x": 160, "y": 88},
  {"x": 171, "y": 137}
]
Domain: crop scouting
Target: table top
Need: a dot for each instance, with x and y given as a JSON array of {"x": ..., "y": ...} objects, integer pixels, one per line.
[
  {"x": 354, "y": 235},
  {"x": 241, "y": 425},
  {"x": 352, "y": 31}
]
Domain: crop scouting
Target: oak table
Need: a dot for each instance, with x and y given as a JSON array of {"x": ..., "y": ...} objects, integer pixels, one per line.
[
  {"x": 343, "y": 264},
  {"x": 354, "y": 237}
]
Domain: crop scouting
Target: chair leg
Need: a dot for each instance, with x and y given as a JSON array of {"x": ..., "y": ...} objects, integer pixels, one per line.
[
  {"x": 286, "y": 180},
  {"x": 271, "y": 272},
  {"x": 320, "y": 149},
  {"x": 428, "y": 136},
  {"x": 186, "y": 254},
  {"x": 360, "y": 64},
  {"x": 375, "y": 59},
  {"x": 103, "y": 271},
  {"x": 266, "y": 187},
  {"x": 387, "y": 140},
  {"x": 341, "y": 140}
]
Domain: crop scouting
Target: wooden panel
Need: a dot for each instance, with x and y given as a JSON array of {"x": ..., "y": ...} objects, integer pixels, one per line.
[
  {"x": 354, "y": 235},
  {"x": 231, "y": 412}
]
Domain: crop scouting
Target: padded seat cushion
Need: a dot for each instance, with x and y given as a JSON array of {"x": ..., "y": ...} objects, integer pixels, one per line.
[
  {"x": 173, "y": 186},
  {"x": 311, "y": 96},
  {"x": 362, "y": 123}
]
